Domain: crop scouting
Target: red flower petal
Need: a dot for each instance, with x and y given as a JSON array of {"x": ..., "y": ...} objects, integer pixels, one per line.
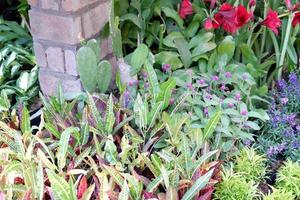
[
  {"x": 242, "y": 17},
  {"x": 296, "y": 20},
  {"x": 272, "y": 21},
  {"x": 208, "y": 24},
  {"x": 186, "y": 8}
]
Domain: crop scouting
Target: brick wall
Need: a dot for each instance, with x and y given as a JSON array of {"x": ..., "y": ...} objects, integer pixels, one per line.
[{"x": 57, "y": 27}]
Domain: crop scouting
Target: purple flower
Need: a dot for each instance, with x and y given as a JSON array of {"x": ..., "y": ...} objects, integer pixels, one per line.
[
  {"x": 293, "y": 78},
  {"x": 201, "y": 82},
  {"x": 144, "y": 74},
  {"x": 190, "y": 87},
  {"x": 172, "y": 100},
  {"x": 281, "y": 84},
  {"x": 289, "y": 133},
  {"x": 133, "y": 82},
  {"x": 238, "y": 96},
  {"x": 146, "y": 86},
  {"x": 245, "y": 76},
  {"x": 295, "y": 144},
  {"x": 284, "y": 101},
  {"x": 215, "y": 78},
  {"x": 126, "y": 98},
  {"x": 223, "y": 87},
  {"x": 166, "y": 68},
  {"x": 230, "y": 105},
  {"x": 244, "y": 112},
  {"x": 208, "y": 96},
  {"x": 248, "y": 142},
  {"x": 228, "y": 75},
  {"x": 206, "y": 111}
]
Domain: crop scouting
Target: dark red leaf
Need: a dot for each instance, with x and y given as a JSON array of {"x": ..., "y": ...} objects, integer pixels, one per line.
[{"x": 82, "y": 187}]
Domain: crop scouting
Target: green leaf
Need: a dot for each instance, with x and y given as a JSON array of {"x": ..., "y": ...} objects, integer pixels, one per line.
[
  {"x": 25, "y": 124},
  {"x": 59, "y": 186},
  {"x": 185, "y": 54},
  {"x": 110, "y": 116},
  {"x": 212, "y": 124},
  {"x": 154, "y": 85},
  {"x": 201, "y": 38},
  {"x": 138, "y": 59},
  {"x": 174, "y": 15},
  {"x": 169, "y": 57},
  {"x": 248, "y": 54},
  {"x": 198, "y": 185},
  {"x": 226, "y": 50},
  {"x": 131, "y": 17},
  {"x": 203, "y": 48},
  {"x": 63, "y": 147},
  {"x": 124, "y": 194},
  {"x": 166, "y": 92}
]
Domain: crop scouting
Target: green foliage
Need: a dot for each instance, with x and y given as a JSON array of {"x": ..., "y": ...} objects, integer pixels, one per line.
[
  {"x": 288, "y": 178},
  {"x": 279, "y": 194},
  {"x": 93, "y": 72},
  {"x": 18, "y": 73},
  {"x": 251, "y": 165},
  {"x": 234, "y": 186}
]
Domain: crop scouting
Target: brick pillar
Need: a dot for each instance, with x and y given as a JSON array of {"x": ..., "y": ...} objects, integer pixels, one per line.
[{"x": 57, "y": 27}]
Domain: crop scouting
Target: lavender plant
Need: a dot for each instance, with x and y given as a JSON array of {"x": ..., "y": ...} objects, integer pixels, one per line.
[{"x": 281, "y": 135}]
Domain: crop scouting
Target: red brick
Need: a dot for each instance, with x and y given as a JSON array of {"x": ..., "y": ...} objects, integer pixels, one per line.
[
  {"x": 55, "y": 58},
  {"x": 60, "y": 29},
  {"x": 70, "y": 62},
  {"x": 40, "y": 55},
  {"x": 95, "y": 19},
  {"x": 50, "y": 4},
  {"x": 75, "y": 5},
  {"x": 48, "y": 82}
]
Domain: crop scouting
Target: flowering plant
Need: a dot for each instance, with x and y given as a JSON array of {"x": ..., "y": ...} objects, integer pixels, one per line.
[{"x": 282, "y": 132}]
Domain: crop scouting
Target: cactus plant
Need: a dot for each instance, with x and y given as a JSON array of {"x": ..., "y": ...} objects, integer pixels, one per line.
[{"x": 93, "y": 72}]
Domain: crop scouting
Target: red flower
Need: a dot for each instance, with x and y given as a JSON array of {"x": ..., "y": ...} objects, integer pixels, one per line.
[
  {"x": 242, "y": 16},
  {"x": 212, "y": 3},
  {"x": 291, "y": 7},
  {"x": 272, "y": 21},
  {"x": 252, "y": 3},
  {"x": 226, "y": 18},
  {"x": 186, "y": 8},
  {"x": 231, "y": 18},
  {"x": 210, "y": 24},
  {"x": 296, "y": 20}
]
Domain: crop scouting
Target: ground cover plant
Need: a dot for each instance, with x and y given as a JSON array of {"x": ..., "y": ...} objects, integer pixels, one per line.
[{"x": 205, "y": 105}]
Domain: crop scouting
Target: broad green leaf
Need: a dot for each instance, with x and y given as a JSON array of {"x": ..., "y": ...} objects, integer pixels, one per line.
[
  {"x": 198, "y": 185},
  {"x": 138, "y": 58},
  {"x": 131, "y": 17},
  {"x": 203, "y": 48},
  {"x": 226, "y": 50},
  {"x": 166, "y": 92},
  {"x": 248, "y": 54},
  {"x": 174, "y": 15},
  {"x": 201, "y": 38},
  {"x": 169, "y": 57},
  {"x": 185, "y": 54}
]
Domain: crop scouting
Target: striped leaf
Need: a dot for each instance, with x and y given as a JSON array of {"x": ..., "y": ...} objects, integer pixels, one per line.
[
  {"x": 197, "y": 186},
  {"x": 124, "y": 195},
  {"x": 59, "y": 186},
  {"x": 212, "y": 124},
  {"x": 110, "y": 116}
]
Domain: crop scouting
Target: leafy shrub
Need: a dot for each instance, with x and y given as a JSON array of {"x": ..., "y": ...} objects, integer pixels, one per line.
[
  {"x": 288, "y": 178},
  {"x": 234, "y": 186},
  {"x": 251, "y": 165},
  {"x": 281, "y": 134},
  {"x": 18, "y": 74},
  {"x": 279, "y": 194}
]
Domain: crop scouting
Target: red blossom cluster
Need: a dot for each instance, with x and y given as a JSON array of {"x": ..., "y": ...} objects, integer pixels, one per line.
[{"x": 231, "y": 18}]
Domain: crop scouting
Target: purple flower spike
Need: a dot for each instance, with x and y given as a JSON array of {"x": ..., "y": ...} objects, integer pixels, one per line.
[
  {"x": 172, "y": 100},
  {"x": 293, "y": 78},
  {"x": 228, "y": 75},
  {"x": 245, "y": 76},
  {"x": 144, "y": 74},
  {"x": 206, "y": 111}
]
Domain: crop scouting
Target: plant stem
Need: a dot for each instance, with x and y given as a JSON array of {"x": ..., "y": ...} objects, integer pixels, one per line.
[{"x": 285, "y": 44}]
